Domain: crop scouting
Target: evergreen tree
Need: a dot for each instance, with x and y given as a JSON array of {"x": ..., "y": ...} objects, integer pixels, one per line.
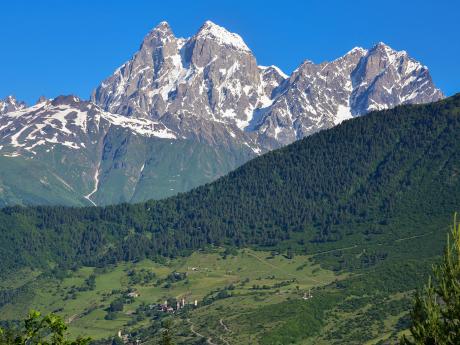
[
  {"x": 166, "y": 336},
  {"x": 436, "y": 312}
]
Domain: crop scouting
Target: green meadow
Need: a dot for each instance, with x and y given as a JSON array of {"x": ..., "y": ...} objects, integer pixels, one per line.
[{"x": 255, "y": 278}]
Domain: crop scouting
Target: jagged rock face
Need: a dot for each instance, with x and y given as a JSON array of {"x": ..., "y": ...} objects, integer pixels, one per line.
[
  {"x": 272, "y": 77},
  {"x": 211, "y": 76},
  {"x": 310, "y": 100},
  {"x": 209, "y": 87},
  {"x": 10, "y": 104},
  {"x": 319, "y": 96},
  {"x": 385, "y": 78}
]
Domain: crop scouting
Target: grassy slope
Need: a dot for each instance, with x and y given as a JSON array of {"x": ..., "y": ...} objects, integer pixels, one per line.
[
  {"x": 352, "y": 308},
  {"x": 33, "y": 182},
  {"x": 213, "y": 272},
  {"x": 62, "y": 176}
]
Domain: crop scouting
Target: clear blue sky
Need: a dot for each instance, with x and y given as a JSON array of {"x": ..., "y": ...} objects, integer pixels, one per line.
[{"x": 62, "y": 47}]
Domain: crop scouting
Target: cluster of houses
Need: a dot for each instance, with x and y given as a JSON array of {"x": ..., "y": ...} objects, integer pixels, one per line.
[
  {"x": 133, "y": 294},
  {"x": 166, "y": 308},
  {"x": 307, "y": 296},
  {"x": 124, "y": 337}
]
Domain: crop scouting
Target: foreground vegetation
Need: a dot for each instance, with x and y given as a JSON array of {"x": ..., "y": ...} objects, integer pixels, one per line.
[
  {"x": 38, "y": 330},
  {"x": 436, "y": 313}
]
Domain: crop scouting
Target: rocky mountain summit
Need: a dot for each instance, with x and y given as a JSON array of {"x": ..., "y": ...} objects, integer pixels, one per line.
[
  {"x": 9, "y": 104},
  {"x": 209, "y": 86}
]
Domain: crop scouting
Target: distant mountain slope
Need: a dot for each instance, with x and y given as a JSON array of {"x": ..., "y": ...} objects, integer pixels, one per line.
[
  {"x": 212, "y": 80},
  {"x": 71, "y": 152},
  {"x": 374, "y": 178}
]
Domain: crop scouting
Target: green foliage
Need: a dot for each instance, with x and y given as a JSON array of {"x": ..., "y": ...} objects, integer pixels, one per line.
[
  {"x": 358, "y": 182},
  {"x": 141, "y": 276},
  {"x": 117, "y": 341},
  {"x": 296, "y": 319},
  {"x": 116, "y": 305},
  {"x": 436, "y": 312},
  {"x": 166, "y": 336},
  {"x": 38, "y": 330}
]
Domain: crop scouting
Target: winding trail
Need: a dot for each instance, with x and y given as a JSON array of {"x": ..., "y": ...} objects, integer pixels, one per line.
[
  {"x": 221, "y": 321},
  {"x": 208, "y": 339},
  {"x": 389, "y": 242},
  {"x": 334, "y": 250}
]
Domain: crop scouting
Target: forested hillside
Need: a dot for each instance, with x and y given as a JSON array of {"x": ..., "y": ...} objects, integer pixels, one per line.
[{"x": 373, "y": 178}]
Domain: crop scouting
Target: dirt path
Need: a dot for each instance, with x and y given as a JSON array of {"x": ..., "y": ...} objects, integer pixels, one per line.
[
  {"x": 355, "y": 246},
  {"x": 221, "y": 321},
  {"x": 208, "y": 339},
  {"x": 412, "y": 237},
  {"x": 335, "y": 250}
]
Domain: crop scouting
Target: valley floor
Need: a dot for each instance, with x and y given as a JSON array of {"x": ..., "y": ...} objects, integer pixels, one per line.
[
  {"x": 242, "y": 296},
  {"x": 242, "y": 280}
]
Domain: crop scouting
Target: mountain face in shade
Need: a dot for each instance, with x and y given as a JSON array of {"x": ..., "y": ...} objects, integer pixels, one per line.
[
  {"x": 10, "y": 104},
  {"x": 72, "y": 152},
  {"x": 209, "y": 86}
]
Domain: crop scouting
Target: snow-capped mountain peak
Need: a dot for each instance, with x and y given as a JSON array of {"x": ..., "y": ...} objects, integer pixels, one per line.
[
  {"x": 275, "y": 68},
  {"x": 162, "y": 33},
  {"x": 210, "y": 30},
  {"x": 10, "y": 103},
  {"x": 69, "y": 122},
  {"x": 357, "y": 50},
  {"x": 212, "y": 80}
]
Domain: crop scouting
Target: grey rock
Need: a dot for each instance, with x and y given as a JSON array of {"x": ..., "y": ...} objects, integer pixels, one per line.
[
  {"x": 205, "y": 87},
  {"x": 10, "y": 104},
  {"x": 41, "y": 99},
  {"x": 319, "y": 96},
  {"x": 209, "y": 88}
]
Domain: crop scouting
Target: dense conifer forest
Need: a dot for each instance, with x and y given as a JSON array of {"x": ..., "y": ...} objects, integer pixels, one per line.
[{"x": 361, "y": 181}]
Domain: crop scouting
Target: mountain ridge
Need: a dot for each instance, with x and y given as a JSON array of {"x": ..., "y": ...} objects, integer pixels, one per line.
[{"x": 313, "y": 97}]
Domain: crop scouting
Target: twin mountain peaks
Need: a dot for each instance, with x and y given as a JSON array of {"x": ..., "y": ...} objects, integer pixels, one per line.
[{"x": 182, "y": 112}]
